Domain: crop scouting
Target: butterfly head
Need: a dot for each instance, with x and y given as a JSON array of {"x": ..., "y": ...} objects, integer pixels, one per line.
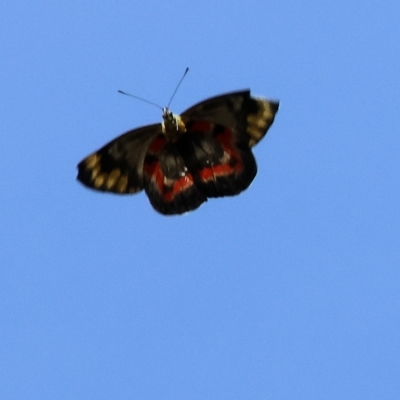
[{"x": 172, "y": 126}]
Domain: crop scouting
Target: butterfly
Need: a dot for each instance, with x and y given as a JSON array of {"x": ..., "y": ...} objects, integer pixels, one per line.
[{"x": 181, "y": 162}]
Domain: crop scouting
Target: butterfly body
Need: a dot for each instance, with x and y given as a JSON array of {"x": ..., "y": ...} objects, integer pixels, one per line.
[
  {"x": 172, "y": 125},
  {"x": 204, "y": 152}
]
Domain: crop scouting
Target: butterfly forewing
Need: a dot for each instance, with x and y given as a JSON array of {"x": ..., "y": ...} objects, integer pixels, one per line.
[
  {"x": 118, "y": 166},
  {"x": 239, "y": 111}
]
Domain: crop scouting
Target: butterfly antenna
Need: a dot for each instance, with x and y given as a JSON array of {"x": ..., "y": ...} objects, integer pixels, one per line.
[
  {"x": 177, "y": 86},
  {"x": 141, "y": 99}
]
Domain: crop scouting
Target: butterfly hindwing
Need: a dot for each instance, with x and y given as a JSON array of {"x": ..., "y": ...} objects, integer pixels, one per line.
[
  {"x": 118, "y": 166},
  {"x": 222, "y": 164},
  {"x": 169, "y": 183}
]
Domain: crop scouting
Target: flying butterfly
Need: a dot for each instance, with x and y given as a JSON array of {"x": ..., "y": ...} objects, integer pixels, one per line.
[{"x": 186, "y": 159}]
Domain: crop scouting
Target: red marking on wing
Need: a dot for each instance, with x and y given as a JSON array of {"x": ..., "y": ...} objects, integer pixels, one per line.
[
  {"x": 179, "y": 186},
  {"x": 167, "y": 192},
  {"x": 226, "y": 139},
  {"x": 201, "y": 126},
  {"x": 158, "y": 143},
  {"x": 154, "y": 173},
  {"x": 207, "y": 174}
]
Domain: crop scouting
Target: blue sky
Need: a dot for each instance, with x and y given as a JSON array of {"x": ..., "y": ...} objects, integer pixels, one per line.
[{"x": 288, "y": 291}]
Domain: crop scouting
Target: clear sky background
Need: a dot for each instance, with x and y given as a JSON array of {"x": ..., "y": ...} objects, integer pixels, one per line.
[{"x": 289, "y": 291}]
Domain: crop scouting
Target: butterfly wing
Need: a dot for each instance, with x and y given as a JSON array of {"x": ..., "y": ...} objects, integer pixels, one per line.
[
  {"x": 169, "y": 184},
  {"x": 221, "y": 164},
  {"x": 244, "y": 114},
  {"x": 118, "y": 166},
  {"x": 220, "y": 132}
]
